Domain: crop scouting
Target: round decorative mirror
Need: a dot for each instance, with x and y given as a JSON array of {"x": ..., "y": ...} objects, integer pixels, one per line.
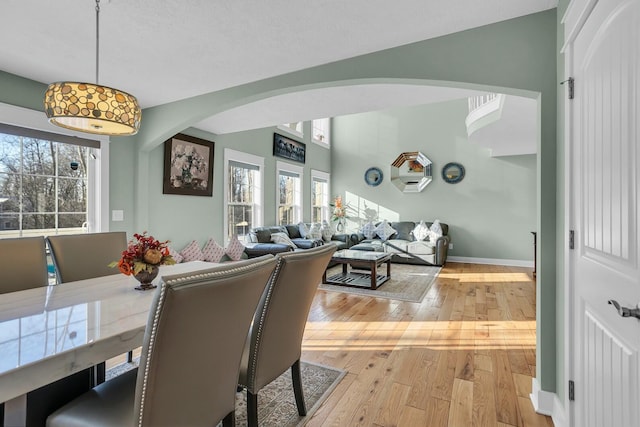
[
  {"x": 373, "y": 176},
  {"x": 453, "y": 173},
  {"x": 411, "y": 172}
]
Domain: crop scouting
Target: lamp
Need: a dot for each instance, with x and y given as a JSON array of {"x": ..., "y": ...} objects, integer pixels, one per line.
[{"x": 92, "y": 108}]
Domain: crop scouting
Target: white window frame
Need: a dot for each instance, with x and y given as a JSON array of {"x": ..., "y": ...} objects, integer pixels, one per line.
[
  {"x": 324, "y": 176},
  {"x": 321, "y": 126},
  {"x": 298, "y": 130},
  {"x": 297, "y": 206},
  {"x": 258, "y": 208},
  {"x": 98, "y": 177}
]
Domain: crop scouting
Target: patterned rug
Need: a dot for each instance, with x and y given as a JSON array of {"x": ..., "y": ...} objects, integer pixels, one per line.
[
  {"x": 276, "y": 402},
  {"x": 407, "y": 283}
]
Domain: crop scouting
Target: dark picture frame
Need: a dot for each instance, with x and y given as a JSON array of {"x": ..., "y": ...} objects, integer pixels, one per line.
[
  {"x": 288, "y": 148},
  {"x": 188, "y": 166}
]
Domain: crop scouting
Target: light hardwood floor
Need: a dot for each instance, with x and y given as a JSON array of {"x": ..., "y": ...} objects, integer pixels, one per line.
[{"x": 464, "y": 357}]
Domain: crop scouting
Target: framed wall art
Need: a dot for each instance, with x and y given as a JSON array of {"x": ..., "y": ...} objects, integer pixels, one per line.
[
  {"x": 288, "y": 148},
  {"x": 188, "y": 166}
]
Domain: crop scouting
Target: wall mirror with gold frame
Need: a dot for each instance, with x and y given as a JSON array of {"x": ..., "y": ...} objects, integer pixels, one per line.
[{"x": 411, "y": 172}]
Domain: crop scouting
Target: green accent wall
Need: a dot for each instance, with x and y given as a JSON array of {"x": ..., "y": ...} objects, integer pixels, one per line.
[
  {"x": 491, "y": 213},
  {"x": 517, "y": 56}
]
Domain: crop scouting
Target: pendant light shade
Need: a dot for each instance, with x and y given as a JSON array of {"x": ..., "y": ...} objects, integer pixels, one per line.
[{"x": 91, "y": 108}]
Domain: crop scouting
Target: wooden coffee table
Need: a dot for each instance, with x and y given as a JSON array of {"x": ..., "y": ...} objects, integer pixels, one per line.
[{"x": 359, "y": 259}]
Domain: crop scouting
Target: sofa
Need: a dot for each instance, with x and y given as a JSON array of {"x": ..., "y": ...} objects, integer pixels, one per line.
[
  {"x": 262, "y": 240},
  {"x": 404, "y": 246}
]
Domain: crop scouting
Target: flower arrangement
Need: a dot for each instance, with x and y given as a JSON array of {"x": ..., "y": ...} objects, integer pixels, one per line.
[
  {"x": 189, "y": 163},
  {"x": 339, "y": 209},
  {"x": 143, "y": 253}
]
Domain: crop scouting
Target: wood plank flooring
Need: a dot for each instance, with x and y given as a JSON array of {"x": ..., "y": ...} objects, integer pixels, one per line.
[{"x": 465, "y": 356}]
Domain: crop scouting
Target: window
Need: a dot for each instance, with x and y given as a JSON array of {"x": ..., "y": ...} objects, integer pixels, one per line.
[
  {"x": 319, "y": 196},
  {"x": 294, "y": 128},
  {"x": 243, "y": 195},
  {"x": 45, "y": 183},
  {"x": 289, "y": 193},
  {"x": 320, "y": 131}
]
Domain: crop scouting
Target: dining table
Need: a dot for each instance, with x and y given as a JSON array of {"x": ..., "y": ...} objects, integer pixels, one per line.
[{"x": 53, "y": 332}]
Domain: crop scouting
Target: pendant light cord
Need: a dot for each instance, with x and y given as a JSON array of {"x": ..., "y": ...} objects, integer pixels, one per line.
[{"x": 97, "y": 39}]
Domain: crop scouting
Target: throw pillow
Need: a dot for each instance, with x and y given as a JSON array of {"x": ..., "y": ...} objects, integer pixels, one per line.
[
  {"x": 212, "y": 251},
  {"x": 175, "y": 254},
  {"x": 421, "y": 231},
  {"x": 403, "y": 230},
  {"x": 435, "y": 231},
  {"x": 304, "y": 231},
  {"x": 293, "y": 231},
  {"x": 327, "y": 231},
  {"x": 314, "y": 231},
  {"x": 368, "y": 230},
  {"x": 192, "y": 252},
  {"x": 235, "y": 249},
  {"x": 264, "y": 236},
  {"x": 283, "y": 239},
  {"x": 384, "y": 230}
]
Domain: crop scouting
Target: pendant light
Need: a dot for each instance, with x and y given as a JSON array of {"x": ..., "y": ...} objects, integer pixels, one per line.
[{"x": 92, "y": 108}]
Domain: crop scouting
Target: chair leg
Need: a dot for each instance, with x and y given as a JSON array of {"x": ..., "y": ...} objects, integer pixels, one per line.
[
  {"x": 130, "y": 357},
  {"x": 229, "y": 420},
  {"x": 297, "y": 388},
  {"x": 252, "y": 409}
]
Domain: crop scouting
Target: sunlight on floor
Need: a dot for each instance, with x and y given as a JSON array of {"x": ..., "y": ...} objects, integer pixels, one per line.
[{"x": 487, "y": 277}]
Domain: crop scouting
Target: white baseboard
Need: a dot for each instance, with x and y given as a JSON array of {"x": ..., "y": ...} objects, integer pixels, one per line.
[
  {"x": 547, "y": 403},
  {"x": 492, "y": 261}
]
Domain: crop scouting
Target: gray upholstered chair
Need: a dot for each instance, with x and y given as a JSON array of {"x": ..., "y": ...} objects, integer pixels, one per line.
[
  {"x": 85, "y": 256},
  {"x": 188, "y": 371},
  {"x": 275, "y": 339},
  {"x": 23, "y": 264}
]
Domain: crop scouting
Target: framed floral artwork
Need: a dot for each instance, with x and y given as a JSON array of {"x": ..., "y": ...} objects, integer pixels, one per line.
[{"x": 188, "y": 166}]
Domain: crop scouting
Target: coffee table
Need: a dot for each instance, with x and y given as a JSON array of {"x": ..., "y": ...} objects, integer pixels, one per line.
[{"x": 359, "y": 259}]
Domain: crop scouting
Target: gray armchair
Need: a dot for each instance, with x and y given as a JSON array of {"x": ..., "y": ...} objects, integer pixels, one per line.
[
  {"x": 188, "y": 371},
  {"x": 275, "y": 338}
]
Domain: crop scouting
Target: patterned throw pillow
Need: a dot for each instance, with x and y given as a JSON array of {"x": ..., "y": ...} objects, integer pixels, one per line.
[
  {"x": 235, "y": 249},
  {"x": 283, "y": 239},
  {"x": 327, "y": 231},
  {"x": 192, "y": 252},
  {"x": 368, "y": 230},
  {"x": 384, "y": 230},
  {"x": 421, "y": 231},
  {"x": 175, "y": 254},
  {"x": 435, "y": 231},
  {"x": 304, "y": 231},
  {"x": 212, "y": 251},
  {"x": 314, "y": 232}
]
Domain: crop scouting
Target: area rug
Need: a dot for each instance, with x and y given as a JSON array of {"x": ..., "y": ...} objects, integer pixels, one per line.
[
  {"x": 276, "y": 402},
  {"x": 407, "y": 283}
]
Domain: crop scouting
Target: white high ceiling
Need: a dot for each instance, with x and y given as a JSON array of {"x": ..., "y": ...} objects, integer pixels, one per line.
[{"x": 165, "y": 50}]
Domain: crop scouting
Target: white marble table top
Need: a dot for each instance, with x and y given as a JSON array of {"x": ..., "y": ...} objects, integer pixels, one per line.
[{"x": 51, "y": 332}]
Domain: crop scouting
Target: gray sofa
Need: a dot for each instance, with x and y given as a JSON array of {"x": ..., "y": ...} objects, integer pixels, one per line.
[
  {"x": 405, "y": 248},
  {"x": 260, "y": 241}
]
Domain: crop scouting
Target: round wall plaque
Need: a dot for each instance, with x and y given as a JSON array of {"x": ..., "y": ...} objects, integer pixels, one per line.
[
  {"x": 373, "y": 176},
  {"x": 453, "y": 173}
]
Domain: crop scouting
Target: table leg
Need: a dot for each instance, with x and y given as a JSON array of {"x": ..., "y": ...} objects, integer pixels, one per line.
[
  {"x": 389, "y": 268},
  {"x": 374, "y": 275}
]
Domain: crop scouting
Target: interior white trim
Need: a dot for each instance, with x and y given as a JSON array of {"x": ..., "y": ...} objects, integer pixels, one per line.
[
  {"x": 574, "y": 18},
  {"x": 98, "y": 207},
  {"x": 239, "y": 156},
  {"x": 298, "y": 170},
  {"x": 491, "y": 261},
  {"x": 542, "y": 400}
]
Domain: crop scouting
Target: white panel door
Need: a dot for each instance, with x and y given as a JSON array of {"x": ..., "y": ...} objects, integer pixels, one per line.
[{"x": 605, "y": 263}]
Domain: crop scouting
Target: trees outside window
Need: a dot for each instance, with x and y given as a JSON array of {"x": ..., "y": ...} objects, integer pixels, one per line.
[{"x": 243, "y": 179}]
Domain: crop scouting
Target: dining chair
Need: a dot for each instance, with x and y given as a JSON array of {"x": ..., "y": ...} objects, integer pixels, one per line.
[
  {"x": 275, "y": 338},
  {"x": 23, "y": 264},
  {"x": 85, "y": 256},
  {"x": 193, "y": 342}
]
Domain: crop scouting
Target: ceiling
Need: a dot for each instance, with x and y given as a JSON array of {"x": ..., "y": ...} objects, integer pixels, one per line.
[{"x": 165, "y": 50}]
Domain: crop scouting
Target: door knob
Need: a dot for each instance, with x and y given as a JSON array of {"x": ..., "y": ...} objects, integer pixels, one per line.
[{"x": 625, "y": 311}]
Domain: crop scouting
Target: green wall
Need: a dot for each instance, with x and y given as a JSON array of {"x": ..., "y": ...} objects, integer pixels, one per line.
[
  {"x": 491, "y": 213},
  {"x": 514, "y": 57}
]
